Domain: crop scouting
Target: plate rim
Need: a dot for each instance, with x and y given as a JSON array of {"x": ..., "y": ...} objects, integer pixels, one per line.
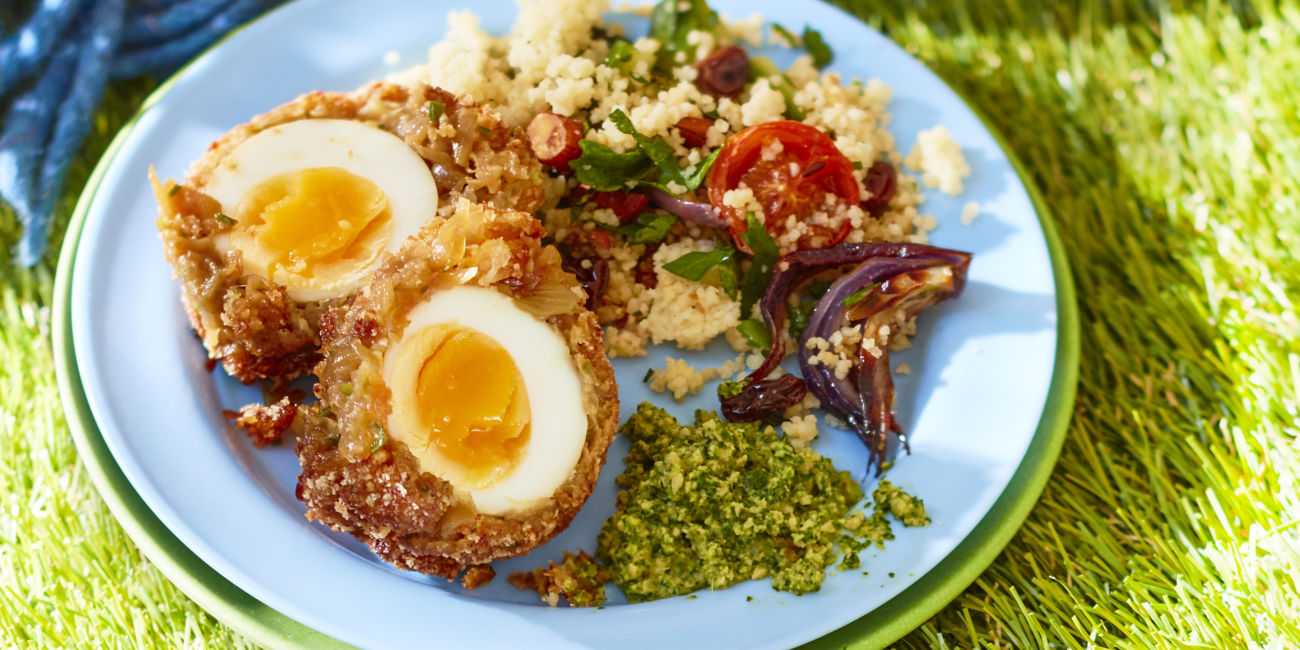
[{"x": 268, "y": 627}]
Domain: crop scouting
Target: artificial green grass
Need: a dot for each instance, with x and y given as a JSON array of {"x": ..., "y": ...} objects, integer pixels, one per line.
[
  {"x": 69, "y": 576},
  {"x": 1166, "y": 138}
]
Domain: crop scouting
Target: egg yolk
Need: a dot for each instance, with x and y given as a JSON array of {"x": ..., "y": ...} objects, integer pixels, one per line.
[
  {"x": 309, "y": 220},
  {"x": 469, "y": 400}
]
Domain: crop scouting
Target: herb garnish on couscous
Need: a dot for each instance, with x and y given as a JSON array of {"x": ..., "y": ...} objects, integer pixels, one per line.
[{"x": 685, "y": 174}]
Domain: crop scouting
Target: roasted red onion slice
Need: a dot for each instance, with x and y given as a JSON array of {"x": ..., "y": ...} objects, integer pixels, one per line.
[
  {"x": 909, "y": 277},
  {"x": 593, "y": 278},
  {"x": 762, "y": 399},
  {"x": 796, "y": 268},
  {"x": 896, "y": 290},
  {"x": 699, "y": 213}
]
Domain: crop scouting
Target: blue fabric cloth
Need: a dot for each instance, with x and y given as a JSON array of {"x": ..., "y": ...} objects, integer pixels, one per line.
[{"x": 53, "y": 69}]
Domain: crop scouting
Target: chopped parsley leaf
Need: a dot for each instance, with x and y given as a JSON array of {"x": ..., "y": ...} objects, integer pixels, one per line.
[
  {"x": 760, "y": 268},
  {"x": 816, "y": 46},
  {"x": 436, "y": 109},
  {"x": 755, "y": 332},
  {"x": 649, "y": 228},
  {"x": 695, "y": 264},
  {"x": 605, "y": 169}
]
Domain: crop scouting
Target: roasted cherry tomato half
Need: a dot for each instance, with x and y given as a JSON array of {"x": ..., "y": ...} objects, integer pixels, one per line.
[{"x": 795, "y": 182}]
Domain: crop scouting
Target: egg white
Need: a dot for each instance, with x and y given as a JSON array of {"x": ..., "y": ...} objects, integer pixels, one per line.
[
  {"x": 558, "y": 420},
  {"x": 362, "y": 149}
]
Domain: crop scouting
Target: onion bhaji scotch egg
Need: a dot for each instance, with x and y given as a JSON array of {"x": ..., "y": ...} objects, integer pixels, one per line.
[
  {"x": 466, "y": 402},
  {"x": 284, "y": 216}
]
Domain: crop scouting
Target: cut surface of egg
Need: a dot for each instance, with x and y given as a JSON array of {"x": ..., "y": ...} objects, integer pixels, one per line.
[
  {"x": 486, "y": 397},
  {"x": 317, "y": 202}
]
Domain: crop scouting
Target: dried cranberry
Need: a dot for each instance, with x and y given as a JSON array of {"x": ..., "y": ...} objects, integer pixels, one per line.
[
  {"x": 645, "y": 268},
  {"x": 695, "y": 130},
  {"x": 625, "y": 205},
  {"x": 882, "y": 182},
  {"x": 593, "y": 279},
  {"x": 759, "y": 400},
  {"x": 723, "y": 73}
]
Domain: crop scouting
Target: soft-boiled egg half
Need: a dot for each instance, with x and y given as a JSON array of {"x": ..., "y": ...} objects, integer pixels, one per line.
[
  {"x": 466, "y": 400},
  {"x": 487, "y": 398},
  {"x": 315, "y": 202}
]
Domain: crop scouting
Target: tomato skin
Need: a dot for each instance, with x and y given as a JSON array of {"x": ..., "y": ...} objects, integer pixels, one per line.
[
  {"x": 820, "y": 169},
  {"x": 695, "y": 130},
  {"x": 602, "y": 238}
]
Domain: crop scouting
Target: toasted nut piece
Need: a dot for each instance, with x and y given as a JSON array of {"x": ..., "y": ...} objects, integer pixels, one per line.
[{"x": 554, "y": 139}]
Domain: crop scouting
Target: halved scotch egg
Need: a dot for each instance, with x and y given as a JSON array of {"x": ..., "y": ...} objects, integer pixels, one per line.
[
  {"x": 283, "y": 217},
  {"x": 466, "y": 402}
]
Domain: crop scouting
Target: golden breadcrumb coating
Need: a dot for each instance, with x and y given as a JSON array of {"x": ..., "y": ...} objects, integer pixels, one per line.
[
  {"x": 477, "y": 576},
  {"x": 578, "y": 580},
  {"x": 265, "y": 425}
]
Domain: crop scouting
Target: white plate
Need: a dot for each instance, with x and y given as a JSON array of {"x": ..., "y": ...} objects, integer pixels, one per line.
[{"x": 981, "y": 367}]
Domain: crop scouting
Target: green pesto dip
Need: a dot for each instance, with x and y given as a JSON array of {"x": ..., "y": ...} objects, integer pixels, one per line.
[{"x": 719, "y": 502}]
